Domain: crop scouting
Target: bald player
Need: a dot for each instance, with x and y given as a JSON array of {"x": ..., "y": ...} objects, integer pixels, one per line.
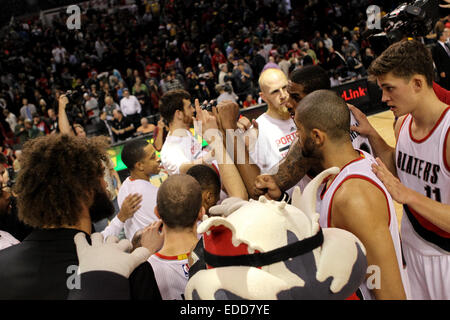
[
  {"x": 355, "y": 199},
  {"x": 179, "y": 205},
  {"x": 276, "y": 127}
]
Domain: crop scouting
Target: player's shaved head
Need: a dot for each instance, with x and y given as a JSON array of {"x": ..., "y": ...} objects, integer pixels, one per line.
[
  {"x": 326, "y": 111},
  {"x": 179, "y": 201},
  {"x": 268, "y": 76}
]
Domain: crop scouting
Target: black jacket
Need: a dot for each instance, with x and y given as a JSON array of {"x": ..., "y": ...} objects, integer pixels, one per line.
[{"x": 43, "y": 267}]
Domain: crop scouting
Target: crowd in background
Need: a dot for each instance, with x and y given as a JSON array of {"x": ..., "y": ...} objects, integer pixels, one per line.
[{"x": 213, "y": 49}]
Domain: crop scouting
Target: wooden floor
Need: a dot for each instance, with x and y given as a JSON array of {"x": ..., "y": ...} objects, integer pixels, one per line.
[{"x": 383, "y": 123}]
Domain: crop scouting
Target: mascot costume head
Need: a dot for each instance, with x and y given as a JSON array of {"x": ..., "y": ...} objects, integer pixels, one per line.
[{"x": 265, "y": 250}]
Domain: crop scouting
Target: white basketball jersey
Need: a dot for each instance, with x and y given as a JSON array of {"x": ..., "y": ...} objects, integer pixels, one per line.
[
  {"x": 421, "y": 166},
  {"x": 359, "y": 143},
  {"x": 171, "y": 274},
  {"x": 361, "y": 169}
]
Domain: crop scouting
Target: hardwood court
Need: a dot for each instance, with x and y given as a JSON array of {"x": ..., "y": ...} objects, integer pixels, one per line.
[{"x": 383, "y": 122}]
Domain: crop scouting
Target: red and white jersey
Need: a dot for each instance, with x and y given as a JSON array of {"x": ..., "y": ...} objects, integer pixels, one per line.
[
  {"x": 361, "y": 169},
  {"x": 421, "y": 166},
  {"x": 171, "y": 274},
  {"x": 275, "y": 136},
  {"x": 359, "y": 143}
]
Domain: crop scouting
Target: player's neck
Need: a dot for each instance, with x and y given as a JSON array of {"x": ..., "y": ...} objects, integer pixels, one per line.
[
  {"x": 139, "y": 175},
  {"x": 428, "y": 112},
  {"x": 178, "y": 242},
  {"x": 84, "y": 222},
  {"x": 178, "y": 128},
  {"x": 339, "y": 155}
]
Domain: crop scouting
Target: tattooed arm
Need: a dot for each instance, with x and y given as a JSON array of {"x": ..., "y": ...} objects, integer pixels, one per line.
[{"x": 292, "y": 168}]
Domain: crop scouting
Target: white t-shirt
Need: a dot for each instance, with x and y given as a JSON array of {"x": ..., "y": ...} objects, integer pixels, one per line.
[
  {"x": 7, "y": 240},
  {"x": 274, "y": 139},
  {"x": 171, "y": 274},
  {"x": 145, "y": 215},
  {"x": 177, "y": 150}
]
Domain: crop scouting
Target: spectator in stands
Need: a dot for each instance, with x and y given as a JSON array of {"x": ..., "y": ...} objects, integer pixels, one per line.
[
  {"x": 27, "y": 110},
  {"x": 122, "y": 127},
  {"x": 104, "y": 127},
  {"x": 130, "y": 107},
  {"x": 27, "y": 131},
  {"x": 91, "y": 107},
  {"x": 249, "y": 101},
  {"x": 10, "y": 118},
  {"x": 225, "y": 93},
  {"x": 40, "y": 124},
  {"x": 145, "y": 127},
  {"x": 109, "y": 107}
]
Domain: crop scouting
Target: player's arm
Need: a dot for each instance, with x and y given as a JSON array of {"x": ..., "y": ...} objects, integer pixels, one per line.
[
  {"x": 226, "y": 114},
  {"x": 229, "y": 174},
  {"x": 158, "y": 138},
  {"x": 361, "y": 208},
  {"x": 63, "y": 121},
  {"x": 435, "y": 212},
  {"x": 381, "y": 149},
  {"x": 292, "y": 168}
]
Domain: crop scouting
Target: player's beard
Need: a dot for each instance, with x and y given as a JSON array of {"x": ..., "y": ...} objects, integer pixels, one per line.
[
  {"x": 309, "y": 149},
  {"x": 188, "y": 120},
  {"x": 283, "y": 111},
  {"x": 102, "y": 207}
]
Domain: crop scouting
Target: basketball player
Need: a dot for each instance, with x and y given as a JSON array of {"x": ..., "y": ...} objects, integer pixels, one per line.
[
  {"x": 355, "y": 199},
  {"x": 276, "y": 129},
  {"x": 179, "y": 205},
  {"x": 302, "y": 82},
  {"x": 421, "y": 160},
  {"x": 141, "y": 160}
]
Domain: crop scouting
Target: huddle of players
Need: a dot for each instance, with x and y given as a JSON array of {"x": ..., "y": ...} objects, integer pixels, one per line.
[{"x": 358, "y": 199}]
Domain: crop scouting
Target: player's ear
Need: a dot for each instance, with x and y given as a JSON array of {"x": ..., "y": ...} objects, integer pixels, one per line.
[
  {"x": 201, "y": 213},
  {"x": 318, "y": 136},
  {"x": 261, "y": 94},
  {"x": 418, "y": 82},
  {"x": 156, "y": 212}
]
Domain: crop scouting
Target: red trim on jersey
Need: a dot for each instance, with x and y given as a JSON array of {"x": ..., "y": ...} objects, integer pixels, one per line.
[
  {"x": 446, "y": 164},
  {"x": 357, "y": 176},
  {"x": 432, "y": 130},
  {"x": 428, "y": 225},
  {"x": 401, "y": 126},
  {"x": 177, "y": 257},
  {"x": 355, "y": 160},
  {"x": 216, "y": 169}
]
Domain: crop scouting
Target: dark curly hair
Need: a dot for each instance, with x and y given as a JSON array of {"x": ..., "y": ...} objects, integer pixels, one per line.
[{"x": 57, "y": 172}]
